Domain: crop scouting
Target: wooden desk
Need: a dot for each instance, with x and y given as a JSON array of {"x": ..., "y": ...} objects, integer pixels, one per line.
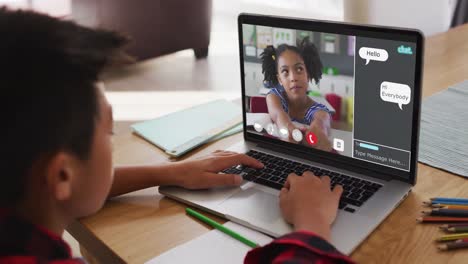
[{"x": 135, "y": 227}]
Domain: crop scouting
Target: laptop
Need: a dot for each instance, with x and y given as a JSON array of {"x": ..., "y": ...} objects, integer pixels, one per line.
[{"x": 371, "y": 87}]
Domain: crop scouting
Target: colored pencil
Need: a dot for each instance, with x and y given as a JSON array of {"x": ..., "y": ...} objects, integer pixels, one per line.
[
  {"x": 462, "y": 240},
  {"x": 445, "y": 199},
  {"x": 431, "y": 203},
  {"x": 453, "y": 245},
  {"x": 446, "y": 212},
  {"x": 457, "y": 229},
  {"x": 221, "y": 228},
  {"x": 450, "y": 206},
  {"x": 452, "y": 237},
  {"x": 442, "y": 219},
  {"x": 453, "y": 225}
]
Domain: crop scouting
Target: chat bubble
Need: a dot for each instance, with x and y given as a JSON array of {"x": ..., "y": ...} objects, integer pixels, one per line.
[
  {"x": 397, "y": 93},
  {"x": 373, "y": 54}
]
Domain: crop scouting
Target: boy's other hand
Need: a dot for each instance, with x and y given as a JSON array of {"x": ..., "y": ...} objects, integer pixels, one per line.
[
  {"x": 308, "y": 203},
  {"x": 204, "y": 173}
]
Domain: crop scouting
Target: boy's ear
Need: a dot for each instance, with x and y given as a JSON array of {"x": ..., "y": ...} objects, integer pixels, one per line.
[{"x": 60, "y": 173}]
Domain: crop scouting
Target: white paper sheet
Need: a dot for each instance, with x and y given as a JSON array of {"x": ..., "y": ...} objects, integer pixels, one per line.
[{"x": 213, "y": 247}]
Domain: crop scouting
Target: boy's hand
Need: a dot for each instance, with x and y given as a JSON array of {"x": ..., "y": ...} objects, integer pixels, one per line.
[
  {"x": 203, "y": 173},
  {"x": 308, "y": 203}
]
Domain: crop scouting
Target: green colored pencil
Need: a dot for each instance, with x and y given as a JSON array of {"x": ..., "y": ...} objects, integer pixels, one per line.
[
  {"x": 456, "y": 229},
  {"x": 221, "y": 228}
]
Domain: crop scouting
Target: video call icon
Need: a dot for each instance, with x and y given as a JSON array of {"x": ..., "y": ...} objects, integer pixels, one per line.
[{"x": 297, "y": 135}]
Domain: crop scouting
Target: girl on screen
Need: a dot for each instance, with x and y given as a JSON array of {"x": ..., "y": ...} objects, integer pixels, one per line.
[{"x": 287, "y": 70}]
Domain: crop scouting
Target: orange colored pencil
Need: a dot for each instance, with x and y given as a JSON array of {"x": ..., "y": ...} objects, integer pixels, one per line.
[
  {"x": 451, "y": 206},
  {"x": 441, "y": 219}
]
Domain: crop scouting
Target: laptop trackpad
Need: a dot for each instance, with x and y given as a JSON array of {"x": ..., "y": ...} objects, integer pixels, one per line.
[{"x": 253, "y": 204}]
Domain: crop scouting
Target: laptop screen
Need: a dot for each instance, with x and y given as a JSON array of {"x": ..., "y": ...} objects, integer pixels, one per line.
[{"x": 342, "y": 90}]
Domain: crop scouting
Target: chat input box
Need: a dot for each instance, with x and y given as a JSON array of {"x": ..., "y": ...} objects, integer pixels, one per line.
[
  {"x": 373, "y": 54},
  {"x": 397, "y": 93}
]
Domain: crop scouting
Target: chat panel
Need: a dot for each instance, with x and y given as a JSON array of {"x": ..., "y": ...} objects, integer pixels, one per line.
[{"x": 384, "y": 84}]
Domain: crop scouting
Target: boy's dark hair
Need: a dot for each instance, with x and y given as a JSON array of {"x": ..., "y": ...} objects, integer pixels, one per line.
[
  {"x": 306, "y": 50},
  {"x": 48, "y": 69}
]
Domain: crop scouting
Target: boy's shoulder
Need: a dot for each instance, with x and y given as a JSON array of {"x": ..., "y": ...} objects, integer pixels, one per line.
[{"x": 24, "y": 242}]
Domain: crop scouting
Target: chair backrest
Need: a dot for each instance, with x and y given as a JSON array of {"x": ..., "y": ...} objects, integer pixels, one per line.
[
  {"x": 258, "y": 104},
  {"x": 154, "y": 26}
]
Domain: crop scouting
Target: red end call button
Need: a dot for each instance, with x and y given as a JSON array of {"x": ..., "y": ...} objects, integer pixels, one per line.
[{"x": 311, "y": 138}]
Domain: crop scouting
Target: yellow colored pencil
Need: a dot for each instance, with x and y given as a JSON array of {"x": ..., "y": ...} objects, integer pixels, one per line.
[{"x": 452, "y": 237}]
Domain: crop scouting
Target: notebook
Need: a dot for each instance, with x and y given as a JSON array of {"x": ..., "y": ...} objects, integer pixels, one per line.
[
  {"x": 179, "y": 132},
  {"x": 213, "y": 247}
]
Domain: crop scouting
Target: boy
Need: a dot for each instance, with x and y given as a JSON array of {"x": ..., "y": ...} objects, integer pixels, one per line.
[{"x": 57, "y": 163}]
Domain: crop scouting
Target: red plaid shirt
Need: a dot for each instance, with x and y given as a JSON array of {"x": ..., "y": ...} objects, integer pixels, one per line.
[
  {"x": 23, "y": 242},
  {"x": 297, "y": 248}
]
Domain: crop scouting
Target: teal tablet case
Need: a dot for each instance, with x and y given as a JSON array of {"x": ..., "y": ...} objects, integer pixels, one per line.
[{"x": 179, "y": 132}]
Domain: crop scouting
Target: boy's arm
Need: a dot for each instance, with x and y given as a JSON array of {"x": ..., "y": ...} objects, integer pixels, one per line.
[
  {"x": 193, "y": 174},
  {"x": 131, "y": 178}
]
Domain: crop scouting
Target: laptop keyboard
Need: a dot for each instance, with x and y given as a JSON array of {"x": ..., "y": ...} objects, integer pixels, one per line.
[{"x": 355, "y": 191}]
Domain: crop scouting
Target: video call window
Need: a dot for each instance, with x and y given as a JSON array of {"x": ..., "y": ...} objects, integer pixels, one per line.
[{"x": 300, "y": 88}]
